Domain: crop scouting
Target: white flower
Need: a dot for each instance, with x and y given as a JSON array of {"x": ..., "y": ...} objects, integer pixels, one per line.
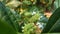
[
  {"x": 22, "y": 27},
  {"x": 33, "y": 13},
  {"x": 22, "y": 30}
]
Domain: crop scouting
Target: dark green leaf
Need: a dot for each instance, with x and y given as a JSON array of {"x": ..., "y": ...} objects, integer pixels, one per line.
[
  {"x": 9, "y": 16},
  {"x": 53, "y": 25},
  {"x": 5, "y": 28}
]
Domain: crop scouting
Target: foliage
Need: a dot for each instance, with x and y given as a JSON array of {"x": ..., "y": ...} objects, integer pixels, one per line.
[
  {"x": 23, "y": 15},
  {"x": 28, "y": 28},
  {"x": 6, "y": 28},
  {"x": 9, "y": 16},
  {"x": 53, "y": 23}
]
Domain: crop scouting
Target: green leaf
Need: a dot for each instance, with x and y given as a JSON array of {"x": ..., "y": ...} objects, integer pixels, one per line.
[
  {"x": 56, "y": 27},
  {"x": 53, "y": 23},
  {"x": 5, "y": 28},
  {"x": 26, "y": 2},
  {"x": 34, "y": 18},
  {"x": 9, "y": 16}
]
